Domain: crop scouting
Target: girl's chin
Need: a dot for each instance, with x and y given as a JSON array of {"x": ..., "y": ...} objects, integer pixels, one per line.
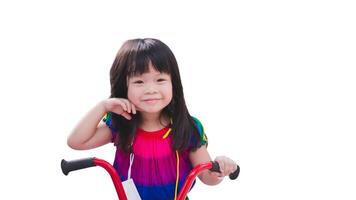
[{"x": 150, "y": 111}]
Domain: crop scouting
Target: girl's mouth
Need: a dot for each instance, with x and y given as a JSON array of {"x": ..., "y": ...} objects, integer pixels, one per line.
[{"x": 151, "y": 100}]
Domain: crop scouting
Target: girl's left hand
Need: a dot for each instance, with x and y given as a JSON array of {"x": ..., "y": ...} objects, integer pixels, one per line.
[{"x": 227, "y": 166}]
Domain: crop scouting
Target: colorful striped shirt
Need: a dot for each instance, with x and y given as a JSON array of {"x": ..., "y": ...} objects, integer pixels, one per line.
[{"x": 154, "y": 166}]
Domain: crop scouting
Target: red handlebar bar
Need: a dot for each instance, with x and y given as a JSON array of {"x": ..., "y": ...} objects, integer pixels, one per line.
[
  {"x": 114, "y": 176},
  {"x": 68, "y": 166},
  {"x": 191, "y": 177}
]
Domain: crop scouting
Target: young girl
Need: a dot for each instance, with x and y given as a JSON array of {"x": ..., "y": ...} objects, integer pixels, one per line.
[{"x": 157, "y": 141}]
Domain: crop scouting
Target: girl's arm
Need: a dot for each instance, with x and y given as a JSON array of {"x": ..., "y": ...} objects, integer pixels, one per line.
[
  {"x": 87, "y": 134},
  {"x": 201, "y": 155}
]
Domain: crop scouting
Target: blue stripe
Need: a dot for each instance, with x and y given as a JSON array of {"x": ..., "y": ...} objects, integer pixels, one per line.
[{"x": 159, "y": 192}]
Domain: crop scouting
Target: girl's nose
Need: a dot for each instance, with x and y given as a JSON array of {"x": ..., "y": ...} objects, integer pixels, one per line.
[{"x": 150, "y": 89}]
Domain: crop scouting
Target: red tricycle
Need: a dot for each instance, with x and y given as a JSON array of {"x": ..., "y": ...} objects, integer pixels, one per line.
[{"x": 68, "y": 166}]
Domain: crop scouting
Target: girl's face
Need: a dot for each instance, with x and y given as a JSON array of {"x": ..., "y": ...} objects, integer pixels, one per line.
[{"x": 151, "y": 91}]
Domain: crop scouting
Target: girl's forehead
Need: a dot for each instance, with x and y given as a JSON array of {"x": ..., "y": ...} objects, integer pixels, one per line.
[{"x": 151, "y": 72}]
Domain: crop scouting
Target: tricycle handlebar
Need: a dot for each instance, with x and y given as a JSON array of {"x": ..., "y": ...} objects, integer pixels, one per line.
[
  {"x": 68, "y": 166},
  {"x": 216, "y": 168}
]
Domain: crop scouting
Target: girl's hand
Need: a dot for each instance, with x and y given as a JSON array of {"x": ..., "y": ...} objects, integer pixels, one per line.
[
  {"x": 227, "y": 166},
  {"x": 120, "y": 106}
]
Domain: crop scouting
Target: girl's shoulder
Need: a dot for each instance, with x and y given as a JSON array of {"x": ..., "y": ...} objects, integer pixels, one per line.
[
  {"x": 107, "y": 119},
  {"x": 199, "y": 126}
]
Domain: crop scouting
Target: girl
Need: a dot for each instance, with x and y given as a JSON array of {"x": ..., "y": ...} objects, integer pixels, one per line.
[{"x": 157, "y": 141}]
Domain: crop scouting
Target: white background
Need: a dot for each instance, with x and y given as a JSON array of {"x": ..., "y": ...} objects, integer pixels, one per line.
[{"x": 273, "y": 82}]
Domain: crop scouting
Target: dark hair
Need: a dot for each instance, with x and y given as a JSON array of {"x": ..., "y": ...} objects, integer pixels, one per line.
[{"x": 133, "y": 58}]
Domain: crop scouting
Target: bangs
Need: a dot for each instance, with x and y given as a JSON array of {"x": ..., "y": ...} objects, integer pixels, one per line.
[{"x": 144, "y": 55}]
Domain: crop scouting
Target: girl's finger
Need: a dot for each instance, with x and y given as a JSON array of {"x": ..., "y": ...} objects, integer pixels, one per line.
[
  {"x": 216, "y": 174},
  {"x": 234, "y": 168},
  {"x": 128, "y": 104},
  {"x": 122, "y": 104},
  {"x": 222, "y": 167},
  {"x": 231, "y": 166},
  {"x": 133, "y": 107},
  {"x": 229, "y": 170},
  {"x": 126, "y": 115}
]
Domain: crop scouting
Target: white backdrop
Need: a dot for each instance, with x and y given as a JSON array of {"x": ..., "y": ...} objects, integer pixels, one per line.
[{"x": 273, "y": 82}]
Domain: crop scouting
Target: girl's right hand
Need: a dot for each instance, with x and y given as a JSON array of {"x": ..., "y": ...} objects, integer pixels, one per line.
[{"x": 120, "y": 106}]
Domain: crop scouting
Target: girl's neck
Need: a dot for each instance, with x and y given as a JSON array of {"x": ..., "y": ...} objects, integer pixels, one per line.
[{"x": 153, "y": 121}]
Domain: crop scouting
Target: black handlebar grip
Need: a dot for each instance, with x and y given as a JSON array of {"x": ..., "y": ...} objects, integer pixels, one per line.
[
  {"x": 232, "y": 176},
  {"x": 235, "y": 174},
  {"x": 68, "y": 166},
  {"x": 215, "y": 167}
]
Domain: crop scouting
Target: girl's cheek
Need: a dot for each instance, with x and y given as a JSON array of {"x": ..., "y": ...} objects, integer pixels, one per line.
[{"x": 134, "y": 97}]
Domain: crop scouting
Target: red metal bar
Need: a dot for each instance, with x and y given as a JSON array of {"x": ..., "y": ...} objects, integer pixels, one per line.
[
  {"x": 191, "y": 177},
  {"x": 114, "y": 176},
  {"x": 121, "y": 192}
]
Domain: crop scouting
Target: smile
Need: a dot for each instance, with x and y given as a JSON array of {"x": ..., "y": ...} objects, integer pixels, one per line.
[{"x": 151, "y": 100}]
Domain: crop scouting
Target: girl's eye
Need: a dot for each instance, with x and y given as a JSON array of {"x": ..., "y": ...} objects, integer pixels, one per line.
[
  {"x": 138, "y": 82},
  {"x": 161, "y": 80}
]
